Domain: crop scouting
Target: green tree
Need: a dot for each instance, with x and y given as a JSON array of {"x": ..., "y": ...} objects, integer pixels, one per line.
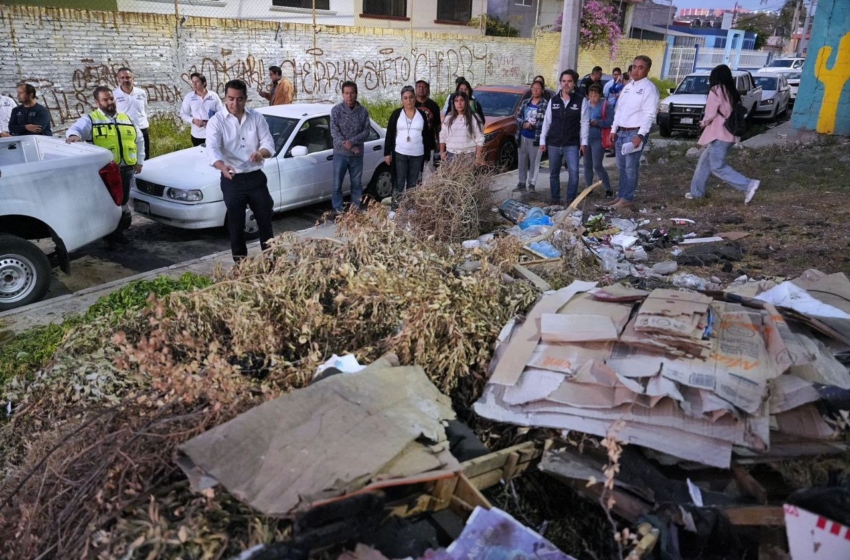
[
  {"x": 786, "y": 18},
  {"x": 495, "y": 26},
  {"x": 763, "y": 25}
]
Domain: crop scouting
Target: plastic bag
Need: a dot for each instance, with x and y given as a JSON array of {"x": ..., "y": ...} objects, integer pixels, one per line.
[
  {"x": 538, "y": 220},
  {"x": 546, "y": 249}
]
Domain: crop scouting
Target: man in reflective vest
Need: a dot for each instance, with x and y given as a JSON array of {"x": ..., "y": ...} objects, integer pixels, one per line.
[{"x": 116, "y": 132}]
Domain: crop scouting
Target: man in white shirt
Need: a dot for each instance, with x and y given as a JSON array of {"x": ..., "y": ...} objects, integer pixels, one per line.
[
  {"x": 635, "y": 114},
  {"x": 6, "y": 106},
  {"x": 199, "y": 106},
  {"x": 133, "y": 102},
  {"x": 238, "y": 140}
]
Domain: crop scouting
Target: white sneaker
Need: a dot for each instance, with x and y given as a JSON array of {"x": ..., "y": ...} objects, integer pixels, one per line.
[
  {"x": 751, "y": 190},
  {"x": 689, "y": 196},
  {"x": 391, "y": 215}
]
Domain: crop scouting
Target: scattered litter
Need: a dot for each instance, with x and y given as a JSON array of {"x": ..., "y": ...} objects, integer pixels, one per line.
[
  {"x": 339, "y": 364},
  {"x": 694, "y": 240},
  {"x": 682, "y": 221},
  {"x": 703, "y": 254},
  {"x": 471, "y": 244},
  {"x": 544, "y": 249},
  {"x": 623, "y": 240},
  {"x": 689, "y": 281},
  {"x": 516, "y": 211}
]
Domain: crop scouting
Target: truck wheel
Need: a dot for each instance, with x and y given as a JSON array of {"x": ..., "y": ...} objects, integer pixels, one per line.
[
  {"x": 25, "y": 272},
  {"x": 664, "y": 130}
]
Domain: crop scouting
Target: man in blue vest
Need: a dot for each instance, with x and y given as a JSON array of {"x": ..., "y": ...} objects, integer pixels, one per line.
[
  {"x": 107, "y": 128},
  {"x": 565, "y": 130}
]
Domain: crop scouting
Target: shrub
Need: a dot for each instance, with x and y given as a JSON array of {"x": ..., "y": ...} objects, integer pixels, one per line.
[{"x": 168, "y": 134}]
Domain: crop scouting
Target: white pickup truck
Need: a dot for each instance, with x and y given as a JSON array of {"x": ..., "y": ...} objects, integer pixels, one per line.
[{"x": 50, "y": 189}]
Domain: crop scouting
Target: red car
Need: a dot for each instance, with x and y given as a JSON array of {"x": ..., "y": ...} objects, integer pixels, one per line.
[{"x": 500, "y": 105}]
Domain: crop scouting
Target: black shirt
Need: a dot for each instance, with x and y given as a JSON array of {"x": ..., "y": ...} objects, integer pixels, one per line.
[
  {"x": 22, "y": 116},
  {"x": 432, "y": 110}
]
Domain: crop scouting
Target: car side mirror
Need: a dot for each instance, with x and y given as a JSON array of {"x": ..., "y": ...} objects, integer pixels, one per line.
[
  {"x": 672, "y": 90},
  {"x": 299, "y": 151}
]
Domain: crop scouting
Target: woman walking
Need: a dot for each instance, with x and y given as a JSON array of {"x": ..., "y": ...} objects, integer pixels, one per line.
[
  {"x": 601, "y": 115},
  {"x": 529, "y": 122},
  {"x": 722, "y": 97},
  {"x": 409, "y": 142},
  {"x": 462, "y": 133}
]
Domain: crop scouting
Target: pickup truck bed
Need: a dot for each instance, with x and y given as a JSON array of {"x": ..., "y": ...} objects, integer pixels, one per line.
[{"x": 50, "y": 189}]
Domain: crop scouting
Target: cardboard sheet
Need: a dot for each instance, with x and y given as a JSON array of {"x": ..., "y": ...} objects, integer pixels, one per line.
[
  {"x": 525, "y": 339},
  {"x": 329, "y": 439},
  {"x": 557, "y": 327}
]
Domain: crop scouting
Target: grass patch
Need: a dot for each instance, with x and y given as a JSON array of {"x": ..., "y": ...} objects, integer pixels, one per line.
[
  {"x": 380, "y": 111},
  {"x": 168, "y": 134},
  {"x": 663, "y": 86},
  {"x": 31, "y": 350}
]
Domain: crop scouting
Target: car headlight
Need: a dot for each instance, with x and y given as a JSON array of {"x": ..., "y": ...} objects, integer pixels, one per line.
[
  {"x": 193, "y": 195},
  {"x": 490, "y": 136},
  {"x": 664, "y": 108},
  {"x": 767, "y": 102}
]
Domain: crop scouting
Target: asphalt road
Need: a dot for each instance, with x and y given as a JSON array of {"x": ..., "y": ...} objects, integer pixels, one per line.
[{"x": 154, "y": 246}]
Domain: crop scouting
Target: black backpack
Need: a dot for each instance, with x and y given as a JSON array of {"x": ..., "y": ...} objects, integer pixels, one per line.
[{"x": 736, "y": 122}]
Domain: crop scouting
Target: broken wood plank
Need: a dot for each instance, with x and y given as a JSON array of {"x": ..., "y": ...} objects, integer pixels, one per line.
[
  {"x": 755, "y": 516},
  {"x": 538, "y": 282},
  {"x": 471, "y": 495},
  {"x": 497, "y": 459},
  {"x": 749, "y": 485}
]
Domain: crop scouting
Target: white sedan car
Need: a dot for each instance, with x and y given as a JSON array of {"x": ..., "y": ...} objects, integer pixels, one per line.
[
  {"x": 181, "y": 189},
  {"x": 775, "y": 96}
]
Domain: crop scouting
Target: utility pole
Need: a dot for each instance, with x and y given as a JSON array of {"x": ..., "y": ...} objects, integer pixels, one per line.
[
  {"x": 570, "y": 26},
  {"x": 735, "y": 15},
  {"x": 794, "y": 22},
  {"x": 804, "y": 40}
]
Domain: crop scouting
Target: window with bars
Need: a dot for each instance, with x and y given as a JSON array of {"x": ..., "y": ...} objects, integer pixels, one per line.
[
  {"x": 320, "y": 4},
  {"x": 454, "y": 10},
  {"x": 523, "y": 2},
  {"x": 392, "y": 8}
]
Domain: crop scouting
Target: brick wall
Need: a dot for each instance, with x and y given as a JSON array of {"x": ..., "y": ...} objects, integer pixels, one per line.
[
  {"x": 549, "y": 46},
  {"x": 66, "y": 53}
]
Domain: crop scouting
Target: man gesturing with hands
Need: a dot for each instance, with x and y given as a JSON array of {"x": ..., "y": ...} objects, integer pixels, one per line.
[{"x": 238, "y": 140}]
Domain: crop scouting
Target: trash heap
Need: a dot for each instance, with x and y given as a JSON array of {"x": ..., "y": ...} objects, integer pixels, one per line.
[{"x": 690, "y": 377}]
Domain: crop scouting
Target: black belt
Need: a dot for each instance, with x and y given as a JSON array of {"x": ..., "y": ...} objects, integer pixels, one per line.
[{"x": 627, "y": 129}]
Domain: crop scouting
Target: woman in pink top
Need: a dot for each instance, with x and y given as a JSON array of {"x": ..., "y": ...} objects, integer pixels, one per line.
[{"x": 722, "y": 96}]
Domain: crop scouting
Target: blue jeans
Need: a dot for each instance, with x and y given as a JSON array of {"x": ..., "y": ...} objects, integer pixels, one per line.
[
  {"x": 354, "y": 166},
  {"x": 593, "y": 162},
  {"x": 713, "y": 161},
  {"x": 627, "y": 165},
  {"x": 407, "y": 171},
  {"x": 558, "y": 155}
]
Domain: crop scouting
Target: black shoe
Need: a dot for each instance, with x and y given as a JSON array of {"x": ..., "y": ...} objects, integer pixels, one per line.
[
  {"x": 610, "y": 153},
  {"x": 609, "y": 194},
  {"x": 519, "y": 188},
  {"x": 531, "y": 188}
]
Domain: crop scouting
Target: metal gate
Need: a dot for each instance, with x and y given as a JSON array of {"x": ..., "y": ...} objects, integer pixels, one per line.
[{"x": 681, "y": 63}]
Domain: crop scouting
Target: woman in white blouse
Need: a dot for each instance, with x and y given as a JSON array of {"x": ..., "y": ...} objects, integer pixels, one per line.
[
  {"x": 462, "y": 133},
  {"x": 408, "y": 144}
]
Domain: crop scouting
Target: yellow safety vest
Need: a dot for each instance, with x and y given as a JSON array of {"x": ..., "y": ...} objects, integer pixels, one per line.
[{"x": 118, "y": 137}]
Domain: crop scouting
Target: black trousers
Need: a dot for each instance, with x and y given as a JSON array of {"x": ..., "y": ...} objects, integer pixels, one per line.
[
  {"x": 198, "y": 141},
  {"x": 251, "y": 190},
  {"x": 147, "y": 138}
]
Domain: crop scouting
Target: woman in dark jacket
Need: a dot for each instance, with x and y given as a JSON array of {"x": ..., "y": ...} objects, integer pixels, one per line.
[{"x": 408, "y": 144}]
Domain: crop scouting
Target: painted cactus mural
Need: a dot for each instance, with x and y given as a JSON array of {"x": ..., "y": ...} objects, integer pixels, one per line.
[{"x": 823, "y": 101}]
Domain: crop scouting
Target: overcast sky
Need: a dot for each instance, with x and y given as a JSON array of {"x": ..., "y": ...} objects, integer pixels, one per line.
[{"x": 747, "y": 4}]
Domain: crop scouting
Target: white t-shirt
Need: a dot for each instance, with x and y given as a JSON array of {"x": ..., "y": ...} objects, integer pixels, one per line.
[
  {"x": 408, "y": 138},
  {"x": 134, "y": 105},
  {"x": 6, "y": 106}
]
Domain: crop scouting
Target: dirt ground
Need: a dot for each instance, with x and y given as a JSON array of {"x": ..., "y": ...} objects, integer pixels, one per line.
[{"x": 798, "y": 219}]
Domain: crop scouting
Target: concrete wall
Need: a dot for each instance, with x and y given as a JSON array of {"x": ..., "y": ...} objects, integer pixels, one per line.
[
  {"x": 823, "y": 101},
  {"x": 66, "y": 53},
  {"x": 549, "y": 44}
]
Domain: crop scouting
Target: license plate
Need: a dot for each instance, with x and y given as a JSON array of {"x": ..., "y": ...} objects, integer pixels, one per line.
[
  {"x": 140, "y": 207},
  {"x": 687, "y": 120}
]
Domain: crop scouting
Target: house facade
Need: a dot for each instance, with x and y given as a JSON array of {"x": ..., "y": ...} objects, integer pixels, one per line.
[
  {"x": 439, "y": 16},
  {"x": 328, "y": 12}
]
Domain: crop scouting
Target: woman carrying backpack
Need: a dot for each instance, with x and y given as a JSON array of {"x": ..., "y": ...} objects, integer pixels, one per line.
[{"x": 723, "y": 96}]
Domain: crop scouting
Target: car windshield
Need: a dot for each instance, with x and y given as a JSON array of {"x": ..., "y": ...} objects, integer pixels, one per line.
[
  {"x": 767, "y": 83},
  {"x": 497, "y": 103},
  {"x": 694, "y": 84},
  {"x": 280, "y": 128},
  {"x": 780, "y": 64}
]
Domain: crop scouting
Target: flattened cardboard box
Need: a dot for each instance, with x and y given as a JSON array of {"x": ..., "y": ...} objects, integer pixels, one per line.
[{"x": 329, "y": 439}]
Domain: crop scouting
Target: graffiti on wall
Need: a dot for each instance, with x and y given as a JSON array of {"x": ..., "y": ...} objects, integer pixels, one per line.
[
  {"x": 67, "y": 104},
  {"x": 833, "y": 79},
  {"x": 317, "y": 74},
  {"x": 823, "y": 99},
  {"x": 218, "y": 70}
]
